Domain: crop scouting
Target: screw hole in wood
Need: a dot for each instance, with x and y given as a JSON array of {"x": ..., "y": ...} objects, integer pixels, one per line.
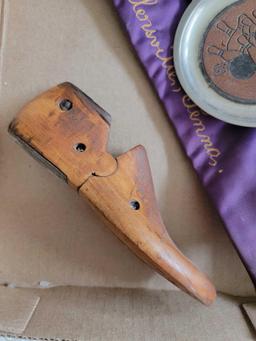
[
  {"x": 135, "y": 205},
  {"x": 80, "y": 147},
  {"x": 66, "y": 105}
]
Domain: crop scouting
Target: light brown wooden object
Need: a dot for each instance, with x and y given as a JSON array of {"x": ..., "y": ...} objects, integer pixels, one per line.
[
  {"x": 68, "y": 132},
  {"x": 57, "y": 124}
]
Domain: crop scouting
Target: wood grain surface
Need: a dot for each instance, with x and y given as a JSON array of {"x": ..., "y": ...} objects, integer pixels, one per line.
[{"x": 66, "y": 130}]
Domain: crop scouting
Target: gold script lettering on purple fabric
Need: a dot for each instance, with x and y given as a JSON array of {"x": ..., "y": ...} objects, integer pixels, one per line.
[{"x": 194, "y": 113}]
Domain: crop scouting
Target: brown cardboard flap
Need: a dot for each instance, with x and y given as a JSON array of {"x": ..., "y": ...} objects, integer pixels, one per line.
[
  {"x": 16, "y": 309},
  {"x": 73, "y": 313},
  {"x": 250, "y": 309},
  {"x": 134, "y": 314}
]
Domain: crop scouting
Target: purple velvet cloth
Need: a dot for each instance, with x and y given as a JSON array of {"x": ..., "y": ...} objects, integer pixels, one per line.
[{"x": 223, "y": 155}]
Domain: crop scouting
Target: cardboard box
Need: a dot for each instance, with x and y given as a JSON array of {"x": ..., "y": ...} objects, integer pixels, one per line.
[{"x": 63, "y": 273}]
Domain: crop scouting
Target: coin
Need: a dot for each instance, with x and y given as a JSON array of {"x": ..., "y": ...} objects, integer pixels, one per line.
[
  {"x": 215, "y": 58},
  {"x": 228, "y": 52}
]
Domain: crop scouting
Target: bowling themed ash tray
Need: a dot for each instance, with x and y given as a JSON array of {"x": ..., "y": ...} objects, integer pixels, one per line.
[{"x": 215, "y": 58}]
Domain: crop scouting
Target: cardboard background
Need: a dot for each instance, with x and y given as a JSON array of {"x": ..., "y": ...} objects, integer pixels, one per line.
[
  {"x": 47, "y": 232},
  {"x": 50, "y": 237}
]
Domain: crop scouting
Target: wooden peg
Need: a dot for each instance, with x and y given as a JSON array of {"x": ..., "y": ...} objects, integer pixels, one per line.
[{"x": 66, "y": 130}]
